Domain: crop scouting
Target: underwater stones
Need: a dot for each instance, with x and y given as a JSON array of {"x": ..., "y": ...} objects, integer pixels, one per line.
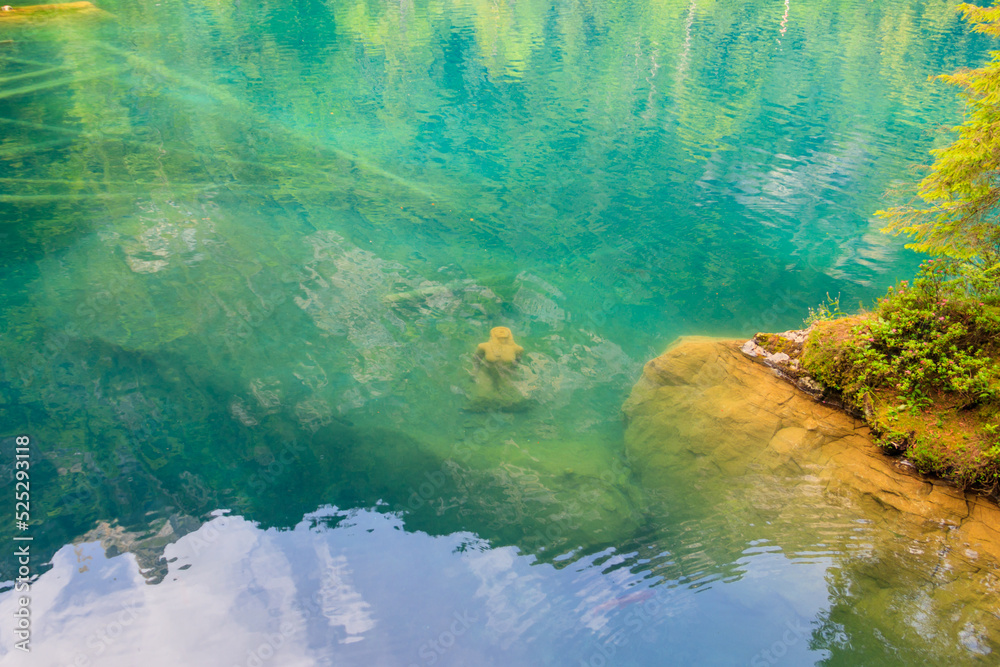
[
  {"x": 551, "y": 496},
  {"x": 789, "y": 440},
  {"x": 147, "y": 546},
  {"x": 536, "y": 301},
  {"x": 493, "y": 390}
]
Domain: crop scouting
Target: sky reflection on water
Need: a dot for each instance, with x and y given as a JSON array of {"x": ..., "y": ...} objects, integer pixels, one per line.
[{"x": 367, "y": 592}]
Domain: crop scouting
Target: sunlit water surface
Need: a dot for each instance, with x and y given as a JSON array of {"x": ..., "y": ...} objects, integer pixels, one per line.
[{"x": 249, "y": 248}]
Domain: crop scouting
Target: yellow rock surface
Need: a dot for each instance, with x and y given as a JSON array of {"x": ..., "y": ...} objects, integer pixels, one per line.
[
  {"x": 725, "y": 441},
  {"x": 702, "y": 399}
]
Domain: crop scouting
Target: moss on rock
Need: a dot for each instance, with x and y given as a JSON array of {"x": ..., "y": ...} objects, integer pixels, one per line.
[{"x": 825, "y": 353}]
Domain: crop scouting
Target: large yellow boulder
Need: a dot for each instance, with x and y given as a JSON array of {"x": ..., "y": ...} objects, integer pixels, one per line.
[{"x": 739, "y": 457}]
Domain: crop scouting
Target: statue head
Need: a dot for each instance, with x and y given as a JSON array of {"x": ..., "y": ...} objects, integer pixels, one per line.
[{"x": 502, "y": 334}]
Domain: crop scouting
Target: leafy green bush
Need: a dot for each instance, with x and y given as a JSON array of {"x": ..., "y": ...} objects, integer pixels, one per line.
[
  {"x": 924, "y": 368},
  {"x": 926, "y": 338},
  {"x": 959, "y": 198}
]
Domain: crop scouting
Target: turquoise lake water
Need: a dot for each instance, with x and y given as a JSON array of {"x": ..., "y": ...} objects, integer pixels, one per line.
[{"x": 249, "y": 248}]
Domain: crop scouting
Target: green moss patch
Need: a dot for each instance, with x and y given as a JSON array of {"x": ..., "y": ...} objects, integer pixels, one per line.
[{"x": 775, "y": 343}]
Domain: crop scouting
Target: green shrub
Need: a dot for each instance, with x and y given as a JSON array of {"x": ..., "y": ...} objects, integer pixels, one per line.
[
  {"x": 919, "y": 341},
  {"x": 923, "y": 368}
]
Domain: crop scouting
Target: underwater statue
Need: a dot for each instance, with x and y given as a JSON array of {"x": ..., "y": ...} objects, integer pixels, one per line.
[
  {"x": 496, "y": 385},
  {"x": 500, "y": 347}
]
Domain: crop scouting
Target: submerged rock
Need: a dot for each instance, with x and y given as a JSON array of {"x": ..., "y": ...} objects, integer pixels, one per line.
[
  {"x": 729, "y": 445},
  {"x": 702, "y": 401}
]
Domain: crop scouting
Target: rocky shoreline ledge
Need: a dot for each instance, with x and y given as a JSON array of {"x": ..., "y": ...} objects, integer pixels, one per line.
[
  {"x": 731, "y": 408},
  {"x": 783, "y": 352},
  {"x": 742, "y": 460}
]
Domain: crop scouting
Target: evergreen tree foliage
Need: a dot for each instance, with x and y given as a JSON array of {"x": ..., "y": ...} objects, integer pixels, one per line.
[{"x": 959, "y": 215}]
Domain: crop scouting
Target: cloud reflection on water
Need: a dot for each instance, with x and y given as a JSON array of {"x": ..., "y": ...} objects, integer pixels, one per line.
[{"x": 352, "y": 588}]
